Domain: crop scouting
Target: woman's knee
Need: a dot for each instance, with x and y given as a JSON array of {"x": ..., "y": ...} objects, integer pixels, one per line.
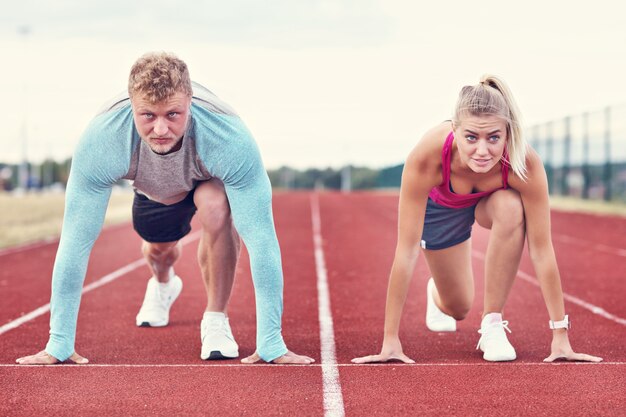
[
  {"x": 507, "y": 209},
  {"x": 457, "y": 305},
  {"x": 458, "y": 310}
]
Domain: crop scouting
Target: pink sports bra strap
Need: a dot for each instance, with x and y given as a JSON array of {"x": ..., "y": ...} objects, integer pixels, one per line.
[
  {"x": 506, "y": 165},
  {"x": 446, "y": 154}
]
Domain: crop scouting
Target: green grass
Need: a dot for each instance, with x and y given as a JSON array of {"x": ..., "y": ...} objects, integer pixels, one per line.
[
  {"x": 588, "y": 206},
  {"x": 36, "y": 216}
]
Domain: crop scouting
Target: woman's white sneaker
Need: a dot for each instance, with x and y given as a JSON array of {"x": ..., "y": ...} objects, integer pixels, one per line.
[
  {"x": 155, "y": 310},
  {"x": 493, "y": 341},
  {"x": 437, "y": 320}
]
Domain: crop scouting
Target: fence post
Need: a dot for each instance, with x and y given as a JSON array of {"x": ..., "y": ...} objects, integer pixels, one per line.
[
  {"x": 548, "y": 163},
  {"x": 566, "y": 158},
  {"x": 346, "y": 179},
  {"x": 534, "y": 139},
  {"x": 607, "y": 154},
  {"x": 586, "y": 178}
]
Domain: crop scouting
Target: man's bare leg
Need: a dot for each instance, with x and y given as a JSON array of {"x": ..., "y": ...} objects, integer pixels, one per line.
[
  {"x": 217, "y": 256},
  {"x": 219, "y": 246},
  {"x": 164, "y": 287},
  {"x": 161, "y": 258}
]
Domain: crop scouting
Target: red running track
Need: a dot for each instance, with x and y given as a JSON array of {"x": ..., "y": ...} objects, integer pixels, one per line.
[{"x": 139, "y": 371}]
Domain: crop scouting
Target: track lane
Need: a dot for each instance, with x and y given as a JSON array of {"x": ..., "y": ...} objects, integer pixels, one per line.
[
  {"x": 358, "y": 233},
  {"x": 359, "y": 243},
  {"x": 25, "y": 274},
  {"x": 197, "y": 391},
  {"x": 107, "y": 335}
]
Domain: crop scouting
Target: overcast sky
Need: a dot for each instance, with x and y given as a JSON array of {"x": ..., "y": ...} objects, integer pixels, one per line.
[{"x": 318, "y": 82}]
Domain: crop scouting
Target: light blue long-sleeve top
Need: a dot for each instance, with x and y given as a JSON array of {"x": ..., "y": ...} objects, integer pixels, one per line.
[{"x": 223, "y": 148}]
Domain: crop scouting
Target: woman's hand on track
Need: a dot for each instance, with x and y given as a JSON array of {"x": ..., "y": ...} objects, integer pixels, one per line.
[
  {"x": 391, "y": 350},
  {"x": 43, "y": 358},
  {"x": 562, "y": 350},
  {"x": 287, "y": 358}
]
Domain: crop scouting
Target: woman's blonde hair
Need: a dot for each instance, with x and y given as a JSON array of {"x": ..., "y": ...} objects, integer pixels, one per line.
[
  {"x": 159, "y": 75},
  {"x": 492, "y": 96}
]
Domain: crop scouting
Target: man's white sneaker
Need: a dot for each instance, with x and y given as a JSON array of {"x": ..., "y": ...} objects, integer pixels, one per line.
[
  {"x": 217, "y": 337},
  {"x": 155, "y": 310},
  {"x": 493, "y": 341},
  {"x": 437, "y": 320}
]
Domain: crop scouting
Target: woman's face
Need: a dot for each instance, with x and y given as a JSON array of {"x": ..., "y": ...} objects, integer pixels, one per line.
[{"x": 480, "y": 141}]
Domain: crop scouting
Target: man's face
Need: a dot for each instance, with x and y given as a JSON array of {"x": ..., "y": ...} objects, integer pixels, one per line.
[{"x": 162, "y": 125}]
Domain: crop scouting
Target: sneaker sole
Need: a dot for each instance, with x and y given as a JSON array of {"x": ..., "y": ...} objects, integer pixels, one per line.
[
  {"x": 442, "y": 329},
  {"x": 500, "y": 358},
  {"x": 217, "y": 355},
  {"x": 148, "y": 324}
]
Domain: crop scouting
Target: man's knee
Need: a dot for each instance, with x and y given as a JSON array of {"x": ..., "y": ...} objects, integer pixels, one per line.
[
  {"x": 213, "y": 207},
  {"x": 157, "y": 249}
]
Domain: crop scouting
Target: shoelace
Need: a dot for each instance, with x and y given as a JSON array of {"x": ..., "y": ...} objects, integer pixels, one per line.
[
  {"x": 154, "y": 302},
  {"x": 504, "y": 324},
  {"x": 215, "y": 326}
]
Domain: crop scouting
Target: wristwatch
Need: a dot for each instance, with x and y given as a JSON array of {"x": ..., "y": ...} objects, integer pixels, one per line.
[{"x": 563, "y": 324}]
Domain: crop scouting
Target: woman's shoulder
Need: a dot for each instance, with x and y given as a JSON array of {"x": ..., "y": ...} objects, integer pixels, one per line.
[
  {"x": 423, "y": 166},
  {"x": 428, "y": 149},
  {"x": 440, "y": 130},
  {"x": 535, "y": 173}
]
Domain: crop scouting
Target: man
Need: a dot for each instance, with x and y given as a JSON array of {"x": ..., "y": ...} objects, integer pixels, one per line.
[{"x": 185, "y": 151}]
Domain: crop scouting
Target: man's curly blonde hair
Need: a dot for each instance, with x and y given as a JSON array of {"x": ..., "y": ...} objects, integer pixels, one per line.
[{"x": 158, "y": 76}]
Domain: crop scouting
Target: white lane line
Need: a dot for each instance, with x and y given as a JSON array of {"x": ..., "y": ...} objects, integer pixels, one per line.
[
  {"x": 581, "y": 303},
  {"x": 590, "y": 245},
  {"x": 333, "y": 399},
  {"x": 96, "y": 284},
  {"x": 340, "y": 365},
  {"x": 26, "y": 317}
]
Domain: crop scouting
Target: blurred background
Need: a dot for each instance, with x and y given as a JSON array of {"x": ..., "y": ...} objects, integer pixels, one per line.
[{"x": 336, "y": 92}]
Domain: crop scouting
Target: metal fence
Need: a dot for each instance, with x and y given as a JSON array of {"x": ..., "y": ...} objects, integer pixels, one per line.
[{"x": 585, "y": 154}]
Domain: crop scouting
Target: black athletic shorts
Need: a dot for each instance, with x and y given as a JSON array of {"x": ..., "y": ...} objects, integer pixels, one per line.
[
  {"x": 445, "y": 227},
  {"x": 156, "y": 222}
]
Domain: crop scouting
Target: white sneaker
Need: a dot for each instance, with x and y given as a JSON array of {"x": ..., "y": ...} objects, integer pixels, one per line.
[
  {"x": 437, "y": 320},
  {"x": 493, "y": 341},
  {"x": 217, "y": 337},
  {"x": 155, "y": 310}
]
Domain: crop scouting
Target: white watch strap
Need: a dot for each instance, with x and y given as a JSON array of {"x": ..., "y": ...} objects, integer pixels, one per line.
[{"x": 563, "y": 324}]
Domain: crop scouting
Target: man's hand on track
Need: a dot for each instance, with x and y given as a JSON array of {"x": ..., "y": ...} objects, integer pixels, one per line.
[
  {"x": 287, "y": 358},
  {"x": 43, "y": 358}
]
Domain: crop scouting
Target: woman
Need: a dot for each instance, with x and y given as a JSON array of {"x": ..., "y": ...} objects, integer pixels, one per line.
[{"x": 475, "y": 167}]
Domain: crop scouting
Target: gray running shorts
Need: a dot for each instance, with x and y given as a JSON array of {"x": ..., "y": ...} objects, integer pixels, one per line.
[{"x": 445, "y": 227}]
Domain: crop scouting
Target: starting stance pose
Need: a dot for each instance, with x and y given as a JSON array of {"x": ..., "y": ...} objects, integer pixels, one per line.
[
  {"x": 185, "y": 151},
  {"x": 475, "y": 167}
]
